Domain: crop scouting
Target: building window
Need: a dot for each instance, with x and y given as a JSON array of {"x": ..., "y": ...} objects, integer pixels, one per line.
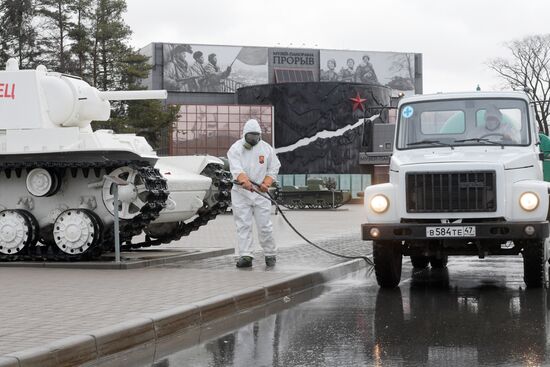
[
  {"x": 212, "y": 129},
  {"x": 293, "y": 75}
]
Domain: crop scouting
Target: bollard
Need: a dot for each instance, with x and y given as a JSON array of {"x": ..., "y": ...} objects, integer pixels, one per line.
[{"x": 117, "y": 181}]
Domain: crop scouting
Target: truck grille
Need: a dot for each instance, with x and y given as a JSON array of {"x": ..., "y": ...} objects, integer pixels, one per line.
[{"x": 451, "y": 192}]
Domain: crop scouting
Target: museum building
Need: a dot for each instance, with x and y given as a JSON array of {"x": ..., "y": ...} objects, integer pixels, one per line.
[{"x": 317, "y": 107}]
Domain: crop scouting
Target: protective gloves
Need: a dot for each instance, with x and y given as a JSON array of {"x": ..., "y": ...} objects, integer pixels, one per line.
[
  {"x": 266, "y": 184},
  {"x": 244, "y": 181}
]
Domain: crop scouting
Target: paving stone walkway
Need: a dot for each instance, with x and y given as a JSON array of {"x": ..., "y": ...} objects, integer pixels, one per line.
[{"x": 41, "y": 305}]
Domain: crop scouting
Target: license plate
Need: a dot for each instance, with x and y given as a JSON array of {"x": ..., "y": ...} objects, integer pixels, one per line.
[{"x": 454, "y": 231}]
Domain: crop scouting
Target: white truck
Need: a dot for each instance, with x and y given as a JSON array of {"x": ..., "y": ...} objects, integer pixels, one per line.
[{"x": 466, "y": 178}]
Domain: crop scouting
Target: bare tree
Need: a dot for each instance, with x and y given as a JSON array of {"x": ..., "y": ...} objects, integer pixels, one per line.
[
  {"x": 403, "y": 62},
  {"x": 402, "y": 67},
  {"x": 529, "y": 69}
]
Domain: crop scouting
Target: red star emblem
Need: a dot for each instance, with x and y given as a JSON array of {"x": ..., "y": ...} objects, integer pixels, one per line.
[{"x": 358, "y": 102}]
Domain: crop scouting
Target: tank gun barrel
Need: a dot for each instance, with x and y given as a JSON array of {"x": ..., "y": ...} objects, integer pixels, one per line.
[{"x": 133, "y": 95}]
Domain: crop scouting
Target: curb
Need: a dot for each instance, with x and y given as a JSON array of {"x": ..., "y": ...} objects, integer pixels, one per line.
[
  {"x": 146, "y": 339},
  {"x": 111, "y": 265}
]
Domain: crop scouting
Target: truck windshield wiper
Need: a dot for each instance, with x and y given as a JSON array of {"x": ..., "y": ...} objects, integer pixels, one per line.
[
  {"x": 434, "y": 142},
  {"x": 479, "y": 140}
]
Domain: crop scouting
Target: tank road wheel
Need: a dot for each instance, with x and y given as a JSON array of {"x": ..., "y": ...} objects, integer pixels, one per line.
[
  {"x": 439, "y": 263},
  {"x": 41, "y": 182},
  {"x": 387, "y": 263},
  {"x": 534, "y": 264},
  {"x": 327, "y": 205},
  {"x": 16, "y": 232},
  {"x": 294, "y": 204},
  {"x": 35, "y": 229},
  {"x": 420, "y": 261},
  {"x": 131, "y": 197},
  {"x": 75, "y": 231}
]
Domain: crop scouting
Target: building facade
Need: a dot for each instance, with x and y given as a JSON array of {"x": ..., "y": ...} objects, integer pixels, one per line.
[{"x": 312, "y": 104}]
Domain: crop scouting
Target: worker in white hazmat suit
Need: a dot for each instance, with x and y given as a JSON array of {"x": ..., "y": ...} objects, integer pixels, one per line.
[{"x": 252, "y": 159}]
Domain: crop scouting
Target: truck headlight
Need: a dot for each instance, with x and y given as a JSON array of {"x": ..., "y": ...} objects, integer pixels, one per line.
[
  {"x": 379, "y": 203},
  {"x": 529, "y": 201}
]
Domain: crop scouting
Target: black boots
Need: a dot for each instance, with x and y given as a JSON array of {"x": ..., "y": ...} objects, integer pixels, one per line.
[
  {"x": 244, "y": 262},
  {"x": 270, "y": 261}
]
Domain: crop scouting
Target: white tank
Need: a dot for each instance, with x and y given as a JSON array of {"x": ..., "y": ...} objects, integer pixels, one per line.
[{"x": 55, "y": 202}]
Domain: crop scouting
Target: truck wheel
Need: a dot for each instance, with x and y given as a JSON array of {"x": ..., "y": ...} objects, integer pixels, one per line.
[
  {"x": 439, "y": 263},
  {"x": 420, "y": 261},
  {"x": 387, "y": 263},
  {"x": 533, "y": 263}
]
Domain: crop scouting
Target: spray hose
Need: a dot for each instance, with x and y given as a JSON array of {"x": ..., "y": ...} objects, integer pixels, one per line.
[{"x": 270, "y": 198}]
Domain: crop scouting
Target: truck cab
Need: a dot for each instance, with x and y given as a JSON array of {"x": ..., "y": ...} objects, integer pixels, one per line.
[{"x": 466, "y": 179}]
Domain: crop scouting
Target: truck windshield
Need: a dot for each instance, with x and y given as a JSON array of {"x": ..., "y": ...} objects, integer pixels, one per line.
[{"x": 451, "y": 123}]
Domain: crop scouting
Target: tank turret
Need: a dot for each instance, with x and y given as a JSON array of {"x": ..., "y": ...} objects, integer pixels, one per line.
[
  {"x": 34, "y": 99},
  {"x": 55, "y": 202}
]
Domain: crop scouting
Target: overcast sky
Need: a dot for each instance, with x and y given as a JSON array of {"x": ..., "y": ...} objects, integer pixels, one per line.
[{"x": 456, "y": 37}]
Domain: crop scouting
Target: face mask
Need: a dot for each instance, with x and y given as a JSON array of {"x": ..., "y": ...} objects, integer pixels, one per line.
[
  {"x": 251, "y": 139},
  {"x": 492, "y": 123}
]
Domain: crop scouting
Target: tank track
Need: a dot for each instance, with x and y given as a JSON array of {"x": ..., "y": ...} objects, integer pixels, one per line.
[
  {"x": 221, "y": 180},
  {"x": 153, "y": 180},
  {"x": 156, "y": 201},
  {"x": 302, "y": 205},
  {"x": 291, "y": 200}
]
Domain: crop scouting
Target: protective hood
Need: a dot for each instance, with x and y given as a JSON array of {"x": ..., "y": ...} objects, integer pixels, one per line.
[{"x": 252, "y": 126}]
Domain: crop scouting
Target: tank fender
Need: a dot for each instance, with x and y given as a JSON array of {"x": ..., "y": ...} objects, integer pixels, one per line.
[
  {"x": 191, "y": 164},
  {"x": 183, "y": 173}
]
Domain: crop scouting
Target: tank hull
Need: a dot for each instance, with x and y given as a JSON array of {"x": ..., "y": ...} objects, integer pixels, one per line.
[
  {"x": 170, "y": 190},
  {"x": 91, "y": 158},
  {"x": 306, "y": 199}
]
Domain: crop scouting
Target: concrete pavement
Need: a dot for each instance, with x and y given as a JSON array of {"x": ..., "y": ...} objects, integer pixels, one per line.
[
  {"x": 40, "y": 305},
  {"x": 314, "y": 224}
]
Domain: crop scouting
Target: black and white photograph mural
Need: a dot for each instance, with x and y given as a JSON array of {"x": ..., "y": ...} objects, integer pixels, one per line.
[
  {"x": 212, "y": 68},
  {"x": 319, "y": 126},
  {"x": 391, "y": 69}
]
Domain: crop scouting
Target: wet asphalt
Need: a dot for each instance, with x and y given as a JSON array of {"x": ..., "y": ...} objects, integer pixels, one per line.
[{"x": 475, "y": 313}]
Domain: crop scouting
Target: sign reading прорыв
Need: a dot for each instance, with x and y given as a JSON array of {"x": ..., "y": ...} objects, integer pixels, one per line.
[{"x": 293, "y": 59}]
